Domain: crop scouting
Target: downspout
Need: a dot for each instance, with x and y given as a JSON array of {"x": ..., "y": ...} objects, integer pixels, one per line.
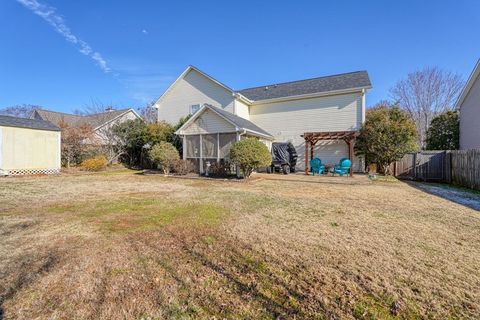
[
  {"x": 234, "y": 106},
  {"x": 363, "y": 105}
]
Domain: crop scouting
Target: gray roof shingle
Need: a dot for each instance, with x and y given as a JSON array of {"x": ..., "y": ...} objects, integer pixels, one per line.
[
  {"x": 239, "y": 121},
  {"x": 358, "y": 79},
  {"x": 8, "y": 121},
  {"x": 74, "y": 120}
]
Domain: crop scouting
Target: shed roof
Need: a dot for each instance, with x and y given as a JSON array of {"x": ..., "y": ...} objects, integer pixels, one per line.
[
  {"x": 8, "y": 121},
  {"x": 344, "y": 81}
]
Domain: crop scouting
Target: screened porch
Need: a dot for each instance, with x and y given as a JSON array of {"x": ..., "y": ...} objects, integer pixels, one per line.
[{"x": 211, "y": 148}]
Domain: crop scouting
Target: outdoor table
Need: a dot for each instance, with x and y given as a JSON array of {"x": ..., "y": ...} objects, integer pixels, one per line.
[{"x": 329, "y": 168}]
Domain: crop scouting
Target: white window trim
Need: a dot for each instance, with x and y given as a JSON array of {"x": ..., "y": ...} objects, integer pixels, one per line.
[{"x": 197, "y": 105}]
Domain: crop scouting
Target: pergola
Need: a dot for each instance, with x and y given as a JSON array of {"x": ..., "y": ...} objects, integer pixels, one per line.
[{"x": 311, "y": 138}]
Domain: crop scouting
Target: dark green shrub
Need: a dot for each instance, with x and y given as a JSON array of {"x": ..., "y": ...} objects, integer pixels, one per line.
[{"x": 250, "y": 154}]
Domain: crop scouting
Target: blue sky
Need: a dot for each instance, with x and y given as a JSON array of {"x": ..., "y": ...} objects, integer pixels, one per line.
[{"x": 125, "y": 53}]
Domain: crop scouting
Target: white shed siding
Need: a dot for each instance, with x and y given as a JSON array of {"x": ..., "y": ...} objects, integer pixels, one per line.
[
  {"x": 241, "y": 109},
  {"x": 470, "y": 118},
  {"x": 192, "y": 89},
  {"x": 288, "y": 120},
  {"x": 29, "y": 149},
  {"x": 209, "y": 122}
]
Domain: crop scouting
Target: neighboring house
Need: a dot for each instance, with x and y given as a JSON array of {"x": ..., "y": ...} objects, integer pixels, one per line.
[
  {"x": 29, "y": 146},
  {"x": 100, "y": 123},
  {"x": 468, "y": 105},
  {"x": 278, "y": 112}
]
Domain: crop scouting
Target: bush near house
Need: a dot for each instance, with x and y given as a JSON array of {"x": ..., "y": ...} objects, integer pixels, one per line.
[
  {"x": 182, "y": 167},
  {"x": 136, "y": 138},
  {"x": 95, "y": 164},
  {"x": 250, "y": 154},
  {"x": 164, "y": 154},
  {"x": 386, "y": 136}
]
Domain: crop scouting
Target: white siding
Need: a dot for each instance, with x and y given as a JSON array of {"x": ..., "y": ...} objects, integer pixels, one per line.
[
  {"x": 25, "y": 149},
  {"x": 470, "y": 118},
  {"x": 241, "y": 109},
  {"x": 288, "y": 120},
  {"x": 192, "y": 89},
  {"x": 103, "y": 133},
  {"x": 209, "y": 122}
]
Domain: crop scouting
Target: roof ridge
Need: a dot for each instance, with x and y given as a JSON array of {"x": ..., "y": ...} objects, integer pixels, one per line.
[
  {"x": 80, "y": 115},
  {"x": 301, "y": 80},
  {"x": 53, "y": 111},
  {"x": 27, "y": 123}
]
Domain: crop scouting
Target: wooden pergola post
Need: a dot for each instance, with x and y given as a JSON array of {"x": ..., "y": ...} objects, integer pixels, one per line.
[
  {"x": 350, "y": 154},
  {"x": 311, "y": 138},
  {"x": 306, "y": 157}
]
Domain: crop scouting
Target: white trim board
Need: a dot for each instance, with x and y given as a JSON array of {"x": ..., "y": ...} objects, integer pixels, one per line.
[{"x": 468, "y": 86}]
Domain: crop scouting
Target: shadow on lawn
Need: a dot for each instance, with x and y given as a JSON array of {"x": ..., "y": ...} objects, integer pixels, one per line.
[{"x": 247, "y": 275}]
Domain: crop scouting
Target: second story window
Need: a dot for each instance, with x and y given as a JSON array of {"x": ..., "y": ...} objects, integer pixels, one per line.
[{"x": 194, "y": 108}]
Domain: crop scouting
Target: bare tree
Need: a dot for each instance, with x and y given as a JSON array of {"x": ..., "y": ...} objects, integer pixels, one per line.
[
  {"x": 426, "y": 93},
  {"x": 73, "y": 142},
  {"x": 104, "y": 139},
  {"x": 149, "y": 113},
  {"x": 20, "y": 110}
]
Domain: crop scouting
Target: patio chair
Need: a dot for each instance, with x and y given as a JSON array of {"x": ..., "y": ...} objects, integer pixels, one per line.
[
  {"x": 316, "y": 166},
  {"x": 343, "y": 167}
]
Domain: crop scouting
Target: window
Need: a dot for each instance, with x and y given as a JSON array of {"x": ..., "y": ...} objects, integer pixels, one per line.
[{"x": 194, "y": 108}]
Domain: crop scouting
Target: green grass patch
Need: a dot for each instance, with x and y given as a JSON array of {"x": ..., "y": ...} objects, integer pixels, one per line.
[
  {"x": 370, "y": 307},
  {"x": 142, "y": 214}
]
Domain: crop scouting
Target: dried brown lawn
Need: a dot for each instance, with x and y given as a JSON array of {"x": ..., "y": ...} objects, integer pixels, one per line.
[{"x": 120, "y": 245}]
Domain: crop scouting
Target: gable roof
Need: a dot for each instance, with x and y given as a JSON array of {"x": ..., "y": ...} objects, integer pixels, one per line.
[
  {"x": 183, "y": 75},
  {"x": 240, "y": 123},
  {"x": 73, "y": 120},
  {"x": 468, "y": 86},
  {"x": 339, "y": 82},
  {"x": 8, "y": 121}
]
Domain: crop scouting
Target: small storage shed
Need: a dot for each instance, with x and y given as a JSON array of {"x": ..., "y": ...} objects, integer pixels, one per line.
[{"x": 29, "y": 146}]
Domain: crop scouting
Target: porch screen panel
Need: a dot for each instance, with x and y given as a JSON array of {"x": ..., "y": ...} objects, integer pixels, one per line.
[
  {"x": 209, "y": 146},
  {"x": 193, "y": 146},
  {"x": 226, "y": 141}
]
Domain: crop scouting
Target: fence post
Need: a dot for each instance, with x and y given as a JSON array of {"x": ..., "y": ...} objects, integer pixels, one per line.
[{"x": 415, "y": 166}]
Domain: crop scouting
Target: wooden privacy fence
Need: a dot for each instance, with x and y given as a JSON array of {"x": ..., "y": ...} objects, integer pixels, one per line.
[{"x": 459, "y": 167}]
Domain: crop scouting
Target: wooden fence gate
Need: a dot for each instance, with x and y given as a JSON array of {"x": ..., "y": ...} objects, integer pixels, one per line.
[{"x": 425, "y": 166}]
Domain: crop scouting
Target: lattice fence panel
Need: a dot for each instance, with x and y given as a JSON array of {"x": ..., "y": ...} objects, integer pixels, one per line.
[{"x": 21, "y": 172}]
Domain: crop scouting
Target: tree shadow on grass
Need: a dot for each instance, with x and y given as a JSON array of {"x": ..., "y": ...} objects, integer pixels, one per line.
[
  {"x": 248, "y": 275},
  {"x": 26, "y": 276}
]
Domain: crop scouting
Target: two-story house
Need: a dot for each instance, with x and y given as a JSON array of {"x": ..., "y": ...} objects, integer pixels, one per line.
[{"x": 333, "y": 106}]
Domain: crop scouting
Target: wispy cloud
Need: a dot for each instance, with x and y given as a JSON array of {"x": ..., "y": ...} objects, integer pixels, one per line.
[
  {"x": 50, "y": 15},
  {"x": 144, "y": 31},
  {"x": 143, "y": 80}
]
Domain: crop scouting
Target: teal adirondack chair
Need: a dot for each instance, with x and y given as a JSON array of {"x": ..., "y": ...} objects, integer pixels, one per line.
[
  {"x": 316, "y": 166},
  {"x": 343, "y": 167}
]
